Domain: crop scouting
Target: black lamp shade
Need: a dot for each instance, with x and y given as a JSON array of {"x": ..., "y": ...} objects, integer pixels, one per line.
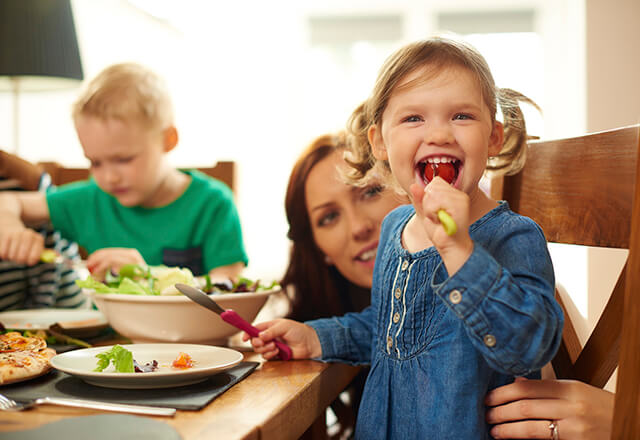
[{"x": 38, "y": 42}]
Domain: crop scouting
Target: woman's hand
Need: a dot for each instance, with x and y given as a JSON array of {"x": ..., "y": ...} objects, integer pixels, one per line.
[
  {"x": 525, "y": 408},
  {"x": 301, "y": 338},
  {"x": 106, "y": 259}
]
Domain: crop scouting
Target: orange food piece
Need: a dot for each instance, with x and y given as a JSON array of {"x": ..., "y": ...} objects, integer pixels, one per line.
[{"x": 183, "y": 361}]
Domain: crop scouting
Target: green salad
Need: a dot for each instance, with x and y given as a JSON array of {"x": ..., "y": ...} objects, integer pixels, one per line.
[
  {"x": 136, "y": 279},
  {"x": 121, "y": 357}
]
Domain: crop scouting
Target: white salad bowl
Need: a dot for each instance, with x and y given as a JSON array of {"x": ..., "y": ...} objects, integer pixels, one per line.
[{"x": 175, "y": 318}]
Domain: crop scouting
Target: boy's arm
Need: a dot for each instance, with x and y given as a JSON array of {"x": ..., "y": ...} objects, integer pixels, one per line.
[
  {"x": 17, "y": 242},
  {"x": 231, "y": 271}
]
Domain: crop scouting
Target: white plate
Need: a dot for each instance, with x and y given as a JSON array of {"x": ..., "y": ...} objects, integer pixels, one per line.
[
  {"x": 208, "y": 360},
  {"x": 42, "y": 319}
]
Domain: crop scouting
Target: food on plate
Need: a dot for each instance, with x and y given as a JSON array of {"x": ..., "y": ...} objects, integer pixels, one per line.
[
  {"x": 52, "y": 335},
  {"x": 123, "y": 361},
  {"x": 149, "y": 367},
  {"x": 183, "y": 361},
  {"x": 136, "y": 279},
  {"x": 121, "y": 357},
  {"x": 23, "y": 357}
]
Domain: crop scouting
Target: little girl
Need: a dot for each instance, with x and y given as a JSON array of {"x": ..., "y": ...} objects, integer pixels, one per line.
[{"x": 452, "y": 316}]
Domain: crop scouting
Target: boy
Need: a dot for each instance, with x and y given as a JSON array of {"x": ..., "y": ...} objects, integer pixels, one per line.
[{"x": 136, "y": 208}]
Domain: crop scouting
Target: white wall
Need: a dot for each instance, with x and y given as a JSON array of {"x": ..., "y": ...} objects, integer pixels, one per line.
[
  {"x": 612, "y": 100},
  {"x": 613, "y": 63},
  {"x": 237, "y": 74}
]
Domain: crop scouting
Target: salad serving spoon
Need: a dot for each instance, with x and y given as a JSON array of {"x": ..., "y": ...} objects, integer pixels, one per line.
[{"x": 229, "y": 316}]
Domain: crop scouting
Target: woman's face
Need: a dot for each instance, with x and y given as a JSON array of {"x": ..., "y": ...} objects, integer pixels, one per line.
[{"x": 345, "y": 220}]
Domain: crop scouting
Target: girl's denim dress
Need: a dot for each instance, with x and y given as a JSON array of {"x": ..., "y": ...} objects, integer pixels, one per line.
[{"x": 437, "y": 344}]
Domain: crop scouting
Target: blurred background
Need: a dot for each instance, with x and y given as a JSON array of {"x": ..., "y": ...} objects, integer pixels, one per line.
[{"x": 254, "y": 82}]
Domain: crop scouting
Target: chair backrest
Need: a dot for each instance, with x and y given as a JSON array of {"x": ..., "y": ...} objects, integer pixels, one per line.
[
  {"x": 581, "y": 191},
  {"x": 223, "y": 171}
]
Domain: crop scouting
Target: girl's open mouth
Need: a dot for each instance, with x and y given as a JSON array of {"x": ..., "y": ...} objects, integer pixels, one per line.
[{"x": 445, "y": 167}]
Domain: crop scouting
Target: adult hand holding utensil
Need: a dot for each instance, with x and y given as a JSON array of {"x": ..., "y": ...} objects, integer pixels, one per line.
[{"x": 229, "y": 316}]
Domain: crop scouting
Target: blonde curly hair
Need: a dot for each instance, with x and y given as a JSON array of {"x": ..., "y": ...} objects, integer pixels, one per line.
[{"x": 439, "y": 54}]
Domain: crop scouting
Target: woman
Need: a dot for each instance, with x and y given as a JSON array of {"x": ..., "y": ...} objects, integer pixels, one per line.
[{"x": 334, "y": 229}]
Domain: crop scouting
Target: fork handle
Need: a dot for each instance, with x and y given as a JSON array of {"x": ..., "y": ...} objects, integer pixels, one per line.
[
  {"x": 231, "y": 317},
  {"x": 118, "y": 407}
]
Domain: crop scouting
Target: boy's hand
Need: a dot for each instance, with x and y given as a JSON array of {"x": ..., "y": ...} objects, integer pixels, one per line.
[
  {"x": 20, "y": 244},
  {"x": 301, "y": 338},
  {"x": 107, "y": 259},
  {"x": 427, "y": 201}
]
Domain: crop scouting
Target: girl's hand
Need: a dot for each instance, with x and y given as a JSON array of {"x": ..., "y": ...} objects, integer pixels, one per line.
[
  {"x": 20, "y": 244},
  {"x": 106, "y": 259},
  {"x": 525, "y": 408},
  {"x": 427, "y": 201},
  {"x": 301, "y": 338}
]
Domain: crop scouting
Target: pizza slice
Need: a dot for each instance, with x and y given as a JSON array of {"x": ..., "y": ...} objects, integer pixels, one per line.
[{"x": 23, "y": 357}]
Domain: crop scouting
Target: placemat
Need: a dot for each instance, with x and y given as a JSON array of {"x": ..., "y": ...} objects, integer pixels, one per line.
[
  {"x": 99, "y": 427},
  {"x": 188, "y": 397}
]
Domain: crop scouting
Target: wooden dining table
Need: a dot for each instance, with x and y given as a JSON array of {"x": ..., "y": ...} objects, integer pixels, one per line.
[{"x": 278, "y": 400}]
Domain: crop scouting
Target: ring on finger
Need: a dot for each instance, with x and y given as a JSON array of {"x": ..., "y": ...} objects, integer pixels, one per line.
[{"x": 553, "y": 430}]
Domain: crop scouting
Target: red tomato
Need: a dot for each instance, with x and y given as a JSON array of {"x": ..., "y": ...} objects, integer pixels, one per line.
[{"x": 447, "y": 171}]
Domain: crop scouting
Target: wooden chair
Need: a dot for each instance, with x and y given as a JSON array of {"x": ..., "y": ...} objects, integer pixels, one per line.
[
  {"x": 584, "y": 191},
  {"x": 223, "y": 170}
]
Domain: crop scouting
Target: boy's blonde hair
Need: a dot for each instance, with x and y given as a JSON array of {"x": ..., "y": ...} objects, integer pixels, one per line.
[
  {"x": 435, "y": 54},
  {"x": 128, "y": 92}
]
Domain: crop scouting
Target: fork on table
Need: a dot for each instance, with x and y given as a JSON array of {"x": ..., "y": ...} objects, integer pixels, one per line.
[{"x": 7, "y": 404}]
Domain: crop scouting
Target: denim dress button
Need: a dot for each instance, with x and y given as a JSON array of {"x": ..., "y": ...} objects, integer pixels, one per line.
[
  {"x": 455, "y": 296},
  {"x": 398, "y": 293},
  {"x": 389, "y": 342},
  {"x": 489, "y": 340},
  {"x": 405, "y": 264},
  {"x": 396, "y": 317}
]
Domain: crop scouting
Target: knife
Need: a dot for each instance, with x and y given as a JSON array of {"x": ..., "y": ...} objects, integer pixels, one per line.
[
  {"x": 229, "y": 316},
  {"x": 105, "y": 406}
]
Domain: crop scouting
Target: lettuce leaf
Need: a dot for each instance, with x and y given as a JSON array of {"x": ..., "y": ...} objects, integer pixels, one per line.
[
  {"x": 99, "y": 287},
  {"x": 121, "y": 357},
  {"x": 126, "y": 285}
]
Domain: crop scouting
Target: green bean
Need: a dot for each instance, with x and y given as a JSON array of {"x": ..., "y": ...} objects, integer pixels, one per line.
[
  {"x": 48, "y": 256},
  {"x": 447, "y": 221}
]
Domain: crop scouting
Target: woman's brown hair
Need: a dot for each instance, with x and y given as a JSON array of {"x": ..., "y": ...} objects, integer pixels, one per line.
[{"x": 318, "y": 290}]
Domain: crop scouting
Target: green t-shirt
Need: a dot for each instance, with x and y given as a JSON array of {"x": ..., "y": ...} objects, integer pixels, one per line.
[{"x": 200, "y": 230}]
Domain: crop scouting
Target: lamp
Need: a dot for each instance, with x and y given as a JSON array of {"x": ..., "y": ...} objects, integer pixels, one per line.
[{"x": 38, "y": 49}]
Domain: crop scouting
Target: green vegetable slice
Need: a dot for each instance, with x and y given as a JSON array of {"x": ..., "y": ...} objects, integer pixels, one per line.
[
  {"x": 48, "y": 256},
  {"x": 447, "y": 221}
]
